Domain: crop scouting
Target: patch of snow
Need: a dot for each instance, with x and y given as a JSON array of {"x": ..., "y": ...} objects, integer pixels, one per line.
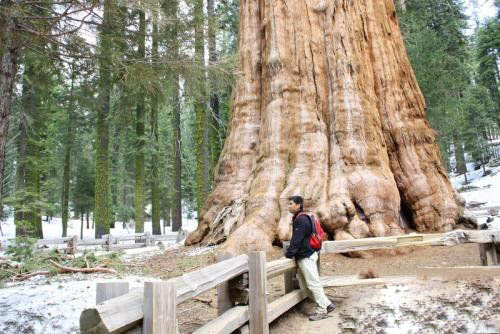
[
  {"x": 52, "y": 305},
  {"x": 488, "y": 186},
  {"x": 53, "y": 229},
  {"x": 487, "y": 191},
  {"x": 201, "y": 250}
]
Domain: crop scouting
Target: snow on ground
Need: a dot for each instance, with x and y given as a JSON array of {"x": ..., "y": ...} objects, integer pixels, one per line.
[
  {"x": 53, "y": 229},
  {"x": 484, "y": 189},
  {"x": 52, "y": 305}
]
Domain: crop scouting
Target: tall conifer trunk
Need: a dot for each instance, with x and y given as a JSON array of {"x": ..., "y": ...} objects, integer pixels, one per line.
[
  {"x": 101, "y": 214},
  {"x": 214, "y": 114},
  {"x": 67, "y": 159},
  {"x": 202, "y": 129},
  {"x": 139, "y": 131},
  {"x": 8, "y": 67},
  {"x": 170, "y": 8},
  {"x": 326, "y": 106},
  {"x": 155, "y": 160}
]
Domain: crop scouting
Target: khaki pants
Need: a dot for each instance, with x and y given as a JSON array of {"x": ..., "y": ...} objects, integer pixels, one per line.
[{"x": 309, "y": 282}]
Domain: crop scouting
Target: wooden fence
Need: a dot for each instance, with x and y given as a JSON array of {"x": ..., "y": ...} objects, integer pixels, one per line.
[
  {"x": 243, "y": 279},
  {"x": 108, "y": 242}
]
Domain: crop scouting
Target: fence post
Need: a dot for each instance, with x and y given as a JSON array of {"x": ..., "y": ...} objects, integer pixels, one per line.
[
  {"x": 109, "y": 290},
  {"x": 147, "y": 235},
  {"x": 291, "y": 282},
  {"x": 108, "y": 241},
  {"x": 488, "y": 253},
  {"x": 257, "y": 281},
  {"x": 72, "y": 245},
  {"x": 224, "y": 301},
  {"x": 160, "y": 308}
]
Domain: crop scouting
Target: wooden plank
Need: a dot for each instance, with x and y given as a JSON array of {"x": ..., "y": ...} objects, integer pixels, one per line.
[
  {"x": 109, "y": 290},
  {"x": 488, "y": 254},
  {"x": 290, "y": 276},
  {"x": 160, "y": 308},
  {"x": 72, "y": 244},
  {"x": 438, "y": 239},
  {"x": 226, "y": 323},
  {"x": 129, "y": 237},
  {"x": 257, "y": 281},
  {"x": 55, "y": 241},
  {"x": 283, "y": 304},
  {"x": 482, "y": 254},
  {"x": 149, "y": 241},
  {"x": 119, "y": 314},
  {"x": 127, "y": 246},
  {"x": 239, "y": 315},
  {"x": 194, "y": 283},
  {"x": 164, "y": 237},
  {"x": 457, "y": 273},
  {"x": 91, "y": 242},
  {"x": 278, "y": 267},
  {"x": 224, "y": 302},
  {"x": 114, "y": 315}
]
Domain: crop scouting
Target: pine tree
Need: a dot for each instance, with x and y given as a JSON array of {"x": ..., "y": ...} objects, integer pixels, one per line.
[
  {"x": 139, "y": 131},
  {"x": 102, "y": 216}
]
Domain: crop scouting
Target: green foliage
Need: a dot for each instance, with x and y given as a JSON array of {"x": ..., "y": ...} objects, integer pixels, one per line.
[
  {"x": 442, "y": 56},
  {"x": 21, "y": 248}
]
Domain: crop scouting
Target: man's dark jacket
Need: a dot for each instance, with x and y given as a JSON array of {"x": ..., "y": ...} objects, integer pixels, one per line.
[{"x": 299, "y": 245}]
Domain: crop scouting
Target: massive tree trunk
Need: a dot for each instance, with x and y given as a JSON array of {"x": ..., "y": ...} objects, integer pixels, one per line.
[{"x": 327, "y": 106}]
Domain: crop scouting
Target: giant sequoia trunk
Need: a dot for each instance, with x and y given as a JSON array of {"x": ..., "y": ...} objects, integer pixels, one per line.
[{"x": 327, "y": 106}]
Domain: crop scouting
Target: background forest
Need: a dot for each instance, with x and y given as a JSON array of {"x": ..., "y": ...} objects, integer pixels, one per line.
[{"x": 119, "y": 109}]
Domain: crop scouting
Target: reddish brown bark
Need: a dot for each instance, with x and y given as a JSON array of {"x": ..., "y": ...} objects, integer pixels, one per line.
[{"x": 326, "y": 107}]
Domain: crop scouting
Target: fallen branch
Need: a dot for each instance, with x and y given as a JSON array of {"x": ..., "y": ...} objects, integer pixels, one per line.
[
  {"x": 65, "y": 269},
  {"x": 22, "y": 277}
]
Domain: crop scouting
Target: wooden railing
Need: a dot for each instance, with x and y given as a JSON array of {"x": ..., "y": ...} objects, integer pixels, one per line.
[
  {"x": 108, "y": 242},
  {"x": 244, "y": 278}
]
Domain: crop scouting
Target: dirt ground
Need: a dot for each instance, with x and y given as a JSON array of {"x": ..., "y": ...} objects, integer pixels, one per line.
[{"x": 422, "y": 307}]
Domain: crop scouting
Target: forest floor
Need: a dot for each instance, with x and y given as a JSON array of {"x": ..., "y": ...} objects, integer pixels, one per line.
[
  {"x": 427, "y": 306},
  {"x": 53, "y": 304}
]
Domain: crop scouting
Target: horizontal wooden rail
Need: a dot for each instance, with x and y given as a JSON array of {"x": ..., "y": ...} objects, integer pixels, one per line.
[
  {"x": 103, "y": 241},
  {"x": 452, "y": 238},
  {"x": 110, "y": 316}
]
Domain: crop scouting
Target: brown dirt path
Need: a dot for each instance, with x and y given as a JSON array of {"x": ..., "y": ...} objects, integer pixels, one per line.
[{"x": 196, "y": 312}]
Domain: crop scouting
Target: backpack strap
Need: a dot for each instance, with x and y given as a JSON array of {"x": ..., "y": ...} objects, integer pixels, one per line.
[{"x": 310, "y": 217}]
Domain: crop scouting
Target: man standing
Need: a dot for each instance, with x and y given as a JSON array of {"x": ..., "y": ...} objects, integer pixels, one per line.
[{"x": 306, "y": 258}]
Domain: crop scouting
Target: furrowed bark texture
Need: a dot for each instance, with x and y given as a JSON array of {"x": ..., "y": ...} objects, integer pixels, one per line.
[{"x": 326, "y": 107}]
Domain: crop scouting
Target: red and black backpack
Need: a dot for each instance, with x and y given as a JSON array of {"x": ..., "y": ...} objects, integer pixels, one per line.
[{"x": 317, "y": 233}]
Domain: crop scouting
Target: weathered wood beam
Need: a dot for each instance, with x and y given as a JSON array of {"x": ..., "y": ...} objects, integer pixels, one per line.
[
  {"x": 257, "y": 281},
  {"x": 119, "y": 314},
  {"x": 438, "y": 239}
]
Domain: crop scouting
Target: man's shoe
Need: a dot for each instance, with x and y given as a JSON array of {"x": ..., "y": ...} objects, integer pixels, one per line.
[
  {"x": 318, "y": 316},
  {"x": 331, "y": 308}
]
